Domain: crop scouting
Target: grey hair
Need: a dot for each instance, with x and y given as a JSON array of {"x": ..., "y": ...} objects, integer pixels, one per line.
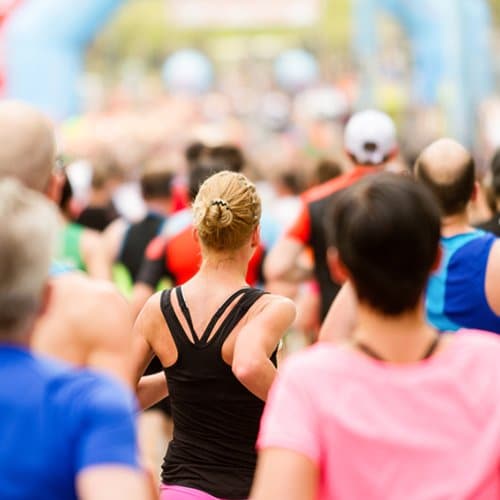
[{"x": 29, "y": 235}]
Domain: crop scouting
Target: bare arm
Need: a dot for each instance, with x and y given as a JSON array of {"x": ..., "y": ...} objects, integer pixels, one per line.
[
  {"x": 94, "y": 255},
  {"x": 492, "y": 281},
  {"x": 105, "y": 482},
  {"x": 256, "y": 342},
  {"x": 342, "y": 316},
  {"x": 112, "y": 238},
  {"x": 140, "y": 296},
  {"x": 283, "y": 262},
  {"x": 106, "y": 329},
  {"x": 283, "y": 473},
  {"x": 152, "y": 388}
]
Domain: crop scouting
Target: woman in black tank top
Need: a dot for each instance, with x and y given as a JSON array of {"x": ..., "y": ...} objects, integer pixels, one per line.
[{"x": 217, "y": 339}]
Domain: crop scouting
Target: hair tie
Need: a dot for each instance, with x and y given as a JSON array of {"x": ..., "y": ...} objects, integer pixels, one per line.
[{"x": 220, "y": 203}]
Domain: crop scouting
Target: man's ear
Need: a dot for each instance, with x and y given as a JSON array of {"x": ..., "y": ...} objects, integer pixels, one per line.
[
  {"x": 255, "y": 240},
  {"x": 55, "y": 186},
  {"x": 475, "y": 191},
  {"x": 338, "y": 272},
  {"x": 438, "y": 259}
]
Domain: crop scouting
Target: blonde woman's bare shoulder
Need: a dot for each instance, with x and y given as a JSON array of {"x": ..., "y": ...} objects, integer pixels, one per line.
[{"x": 276, "y": 304}]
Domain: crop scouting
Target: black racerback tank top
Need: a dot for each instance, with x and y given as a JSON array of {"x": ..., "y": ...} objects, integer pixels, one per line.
[{"x": 216, "y": 419}]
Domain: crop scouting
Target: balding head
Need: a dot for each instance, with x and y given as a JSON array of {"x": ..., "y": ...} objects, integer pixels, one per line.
[
  {"x": 28, "y": 145},
  {"x": 447, "y": 168}
]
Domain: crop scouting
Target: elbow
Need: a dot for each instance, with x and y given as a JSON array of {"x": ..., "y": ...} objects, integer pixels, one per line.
[{"x": 247, "y": 370}]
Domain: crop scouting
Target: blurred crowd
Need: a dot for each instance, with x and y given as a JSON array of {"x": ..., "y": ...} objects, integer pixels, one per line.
[{"x": 194, "y": 196}]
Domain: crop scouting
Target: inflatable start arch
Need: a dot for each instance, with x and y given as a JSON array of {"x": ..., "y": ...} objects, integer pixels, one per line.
[{"x": 44, "y": 43}]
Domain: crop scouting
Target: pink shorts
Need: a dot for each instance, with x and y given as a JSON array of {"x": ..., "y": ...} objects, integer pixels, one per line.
[{"x": 184, "y": 493}]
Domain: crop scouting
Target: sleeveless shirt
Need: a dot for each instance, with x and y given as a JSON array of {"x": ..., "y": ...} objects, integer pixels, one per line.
[
  {"x": 456, "y": 296},
  {"x": 216, "y": 419}
]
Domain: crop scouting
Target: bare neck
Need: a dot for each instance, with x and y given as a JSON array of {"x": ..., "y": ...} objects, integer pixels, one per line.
[
  {"x": 224, "y": 268},
  {"x": 452, "y": 225},
  {"x": 162, "y": 207},
  {"x": 20, "y": 338},
  {"x": 99, "y": 197},
  {"x": 398, "y": 339}
]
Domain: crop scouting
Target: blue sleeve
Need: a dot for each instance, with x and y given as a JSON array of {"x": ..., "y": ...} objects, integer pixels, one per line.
[{"x": 106, "y": 431}]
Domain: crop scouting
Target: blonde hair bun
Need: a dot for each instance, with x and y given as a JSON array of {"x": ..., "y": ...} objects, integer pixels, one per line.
[
  {"x": 218, "y": 214},
  {"x": 226, "y": 211}
]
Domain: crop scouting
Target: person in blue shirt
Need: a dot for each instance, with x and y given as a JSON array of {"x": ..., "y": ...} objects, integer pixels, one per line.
[
  {"x": 465, "y": 290},
  {"x": 64, "y": 433}
]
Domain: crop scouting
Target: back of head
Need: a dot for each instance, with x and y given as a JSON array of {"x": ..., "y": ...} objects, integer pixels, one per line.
[
  {"x": 226, "y": 211},
  {"x": 327, "y": 169},
  {"x": 226, "y": 158},
  {"x": 105, "y": 168},
  {"x": 156, "y": 182},
  {"x": 447, "y": 169},
  {"x": 29, "y": 227},
  {"x": 28, "y": 146},
  {"x": 194, "y": 152},
  {"x": 370, "y": 138},
  {"x": 229, "y": 156},
  {"x": 386, "y": 229}
]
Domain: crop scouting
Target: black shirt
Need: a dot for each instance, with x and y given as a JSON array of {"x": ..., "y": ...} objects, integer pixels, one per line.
[
  {"x": 216, "y": 419},
  {"x": 97, "y": 218}
]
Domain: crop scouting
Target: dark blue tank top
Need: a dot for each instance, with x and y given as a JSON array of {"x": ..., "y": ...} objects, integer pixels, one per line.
[{"x": 456, "y": 296}]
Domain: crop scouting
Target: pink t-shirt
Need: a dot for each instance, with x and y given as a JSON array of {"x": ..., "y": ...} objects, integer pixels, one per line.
[{"x": 425, "y": 431}]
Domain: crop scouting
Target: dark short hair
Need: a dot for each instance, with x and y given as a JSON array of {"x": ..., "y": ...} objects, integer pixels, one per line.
[
  {"x": 66, "y": 195},
  {"x": 198, "y": 175},
  {"x": 454, "y": 195},
  {"x": 218, "y": 159},
  {"x": 230, "y": 156},
  {"x": 193, "y": 153},
  {"x": 156, "y": 185},
  {"x": 386, "y": 229},
  {"x": 327, "y": 169}
]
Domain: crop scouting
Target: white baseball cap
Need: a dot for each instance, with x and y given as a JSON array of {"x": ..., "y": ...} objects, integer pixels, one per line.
[{"x": 370, "y": 136}]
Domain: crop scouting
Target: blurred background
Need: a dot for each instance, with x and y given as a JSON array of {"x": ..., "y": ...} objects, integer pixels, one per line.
[{"x": 277, "y": 77}]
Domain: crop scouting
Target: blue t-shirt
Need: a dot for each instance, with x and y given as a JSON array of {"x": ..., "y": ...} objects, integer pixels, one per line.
[{"x": 56, "y": 421}]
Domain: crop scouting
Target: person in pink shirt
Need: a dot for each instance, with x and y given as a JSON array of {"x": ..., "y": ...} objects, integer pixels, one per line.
[{"x": 399, "y": 411}]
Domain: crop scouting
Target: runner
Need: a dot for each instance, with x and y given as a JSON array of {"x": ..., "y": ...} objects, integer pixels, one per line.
[
  {"x": 80, "y": 248},
  {"x": 126, "y": 243},
  {"x": 219, "y": 360},
  {"x": 370, "y": 141},
  {"x": 399, "y": 411},
  {"x": 64, "y": 433}
]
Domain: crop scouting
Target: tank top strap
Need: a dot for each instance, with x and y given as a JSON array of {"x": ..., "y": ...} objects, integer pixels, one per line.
[
  {"x": 173, "y": 323},
  {"x": 250, "y": 297},
  {"x": 219, "y": 313},
  {"x": 186, "y": 313}
]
